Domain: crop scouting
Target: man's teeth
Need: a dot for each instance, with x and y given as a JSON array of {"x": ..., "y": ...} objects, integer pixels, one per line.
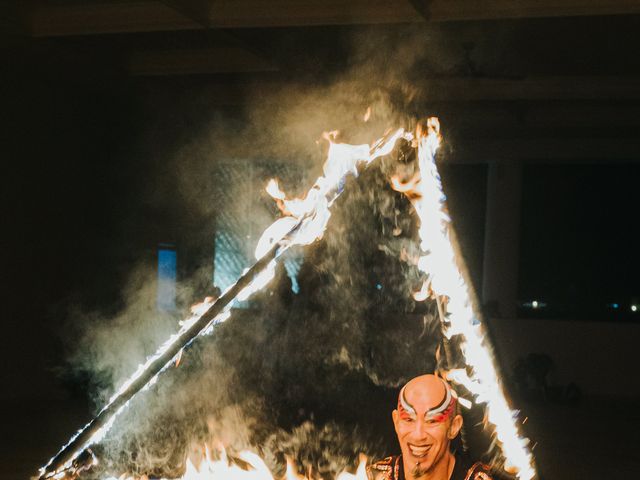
[{"x": 419, "y": 451}]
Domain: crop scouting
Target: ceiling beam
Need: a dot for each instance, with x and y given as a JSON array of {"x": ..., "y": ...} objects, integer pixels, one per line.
[
  {"x": 591, "y": 115},
  {"x": 100, "y": 18},
  {"x": 457, "y": 10},
  {"x": 197, "y": 10},
  {"x": 211, "y": 60},
  {"x": 465, "y": 90},
  {"x": 469, "y": 89},
  {"x": 291, "y": 13},
  {"x": 257, "y": 13},
  {"x": 154, "y": 15},
  {"x": 584, "y": 115},
  {"x": 541, "y": 150},
  {"x": 151, "y": 15}
]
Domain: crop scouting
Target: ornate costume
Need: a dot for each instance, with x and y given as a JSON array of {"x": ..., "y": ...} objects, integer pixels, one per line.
[
  {"x": 391, "y": 468},
  {"x": 426, "y": 421}
]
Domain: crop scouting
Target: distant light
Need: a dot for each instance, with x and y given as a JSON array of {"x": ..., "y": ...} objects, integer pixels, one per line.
[
  {"x": 615, "y": 306},
  {"x": 634, "y": 308},
  {"x": 378, "y": 286},
  {"x": 535, "y": 304}
]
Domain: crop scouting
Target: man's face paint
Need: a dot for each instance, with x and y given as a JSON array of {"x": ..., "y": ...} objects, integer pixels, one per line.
[
  {"x": 440, "y": 413},
  {"x": 422, "y": 423}
]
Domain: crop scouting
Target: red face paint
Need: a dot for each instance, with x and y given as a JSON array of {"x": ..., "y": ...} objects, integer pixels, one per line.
[{"x": 445, "y": 414}]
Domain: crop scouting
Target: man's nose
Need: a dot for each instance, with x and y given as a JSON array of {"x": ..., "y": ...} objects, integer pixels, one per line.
[{"x": 419, "y": 429}]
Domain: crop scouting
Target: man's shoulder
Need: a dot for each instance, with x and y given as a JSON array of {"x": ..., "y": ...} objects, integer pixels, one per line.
[
  {"x": 385, "y": 469},
  {"x": 389, "y": 468},
  {"x": 478, "y": 471}
]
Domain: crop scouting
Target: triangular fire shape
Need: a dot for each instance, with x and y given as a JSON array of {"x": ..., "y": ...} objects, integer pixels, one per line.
[{"x": 304, "y": 222}]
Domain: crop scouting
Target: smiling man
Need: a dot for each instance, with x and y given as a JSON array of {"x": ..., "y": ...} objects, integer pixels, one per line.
[{"x": 426, "y": 421}]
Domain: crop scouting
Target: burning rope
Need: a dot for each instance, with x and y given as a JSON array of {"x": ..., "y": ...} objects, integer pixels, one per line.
[
  {"x": 446, "y": 283},
  {"x": 306, "y": 224}
]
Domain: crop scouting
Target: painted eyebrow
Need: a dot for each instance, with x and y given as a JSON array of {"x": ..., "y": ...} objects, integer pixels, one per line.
[
  {"x": 443, "y": 405},
  {"x": 405, "y": 404}
]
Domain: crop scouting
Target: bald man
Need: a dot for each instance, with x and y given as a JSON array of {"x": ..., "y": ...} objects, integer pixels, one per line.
[{"x": 426, "y": 421}]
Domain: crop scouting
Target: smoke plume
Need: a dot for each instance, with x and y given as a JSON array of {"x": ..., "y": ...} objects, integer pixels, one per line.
[{"x": 312, "y": 374}]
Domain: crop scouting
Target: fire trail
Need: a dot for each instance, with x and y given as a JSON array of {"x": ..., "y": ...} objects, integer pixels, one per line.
[
  {"x": 446, "y": 282},
  {"x": 307, "y": 223}
]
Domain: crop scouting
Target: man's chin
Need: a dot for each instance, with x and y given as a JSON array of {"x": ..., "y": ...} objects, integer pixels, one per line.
[
  {"x": 419, "y": 469},
  {"x": 418, "y": 465}
]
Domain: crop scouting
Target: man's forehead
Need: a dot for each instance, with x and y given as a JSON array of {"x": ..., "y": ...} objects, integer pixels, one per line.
[{"x": 425, "y": 392}]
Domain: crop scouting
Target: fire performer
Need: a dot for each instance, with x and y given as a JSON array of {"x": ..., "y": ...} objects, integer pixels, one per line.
[{"x": 426, "y": 422}]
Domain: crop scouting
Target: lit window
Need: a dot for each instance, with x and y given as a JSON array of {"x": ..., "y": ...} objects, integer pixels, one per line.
[{"x": 166, "y": 299}]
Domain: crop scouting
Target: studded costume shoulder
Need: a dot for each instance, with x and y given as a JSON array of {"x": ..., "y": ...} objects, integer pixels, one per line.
[
  {"x": 479, "y": 471},
  {"x": 388, "y": 468}
]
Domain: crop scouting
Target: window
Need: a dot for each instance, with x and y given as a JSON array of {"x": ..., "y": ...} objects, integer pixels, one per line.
[{"x": 166, "y": 294}]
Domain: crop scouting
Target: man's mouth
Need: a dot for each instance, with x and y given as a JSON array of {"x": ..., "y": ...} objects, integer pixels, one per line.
[{"x": 419, "y": 451}]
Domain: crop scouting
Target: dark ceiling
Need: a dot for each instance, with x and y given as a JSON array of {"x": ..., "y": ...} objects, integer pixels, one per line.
[{"x": 523, "y": 80}]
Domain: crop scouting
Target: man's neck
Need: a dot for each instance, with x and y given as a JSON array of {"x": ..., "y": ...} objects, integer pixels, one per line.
[{"x": 442, "y": 471}]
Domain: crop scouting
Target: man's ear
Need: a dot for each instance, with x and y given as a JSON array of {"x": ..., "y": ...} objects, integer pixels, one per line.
[
  {"x": 395, "y": 416},
  {"x": 456, "y": 425}
]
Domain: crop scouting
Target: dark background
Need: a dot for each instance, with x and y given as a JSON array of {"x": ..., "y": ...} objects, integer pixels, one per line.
[{"x": 96, "y": 104}]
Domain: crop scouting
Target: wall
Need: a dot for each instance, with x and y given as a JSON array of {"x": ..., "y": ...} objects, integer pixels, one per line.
[{"x": 600, "y": 357}]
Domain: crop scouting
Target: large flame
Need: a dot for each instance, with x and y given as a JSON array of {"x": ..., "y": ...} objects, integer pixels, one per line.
[
  {"x": 249, "y": 467},
  {"x": 311, "y": 211},
  {"x": 446, "y": 283},
  {"x": 305, "y": 221}
]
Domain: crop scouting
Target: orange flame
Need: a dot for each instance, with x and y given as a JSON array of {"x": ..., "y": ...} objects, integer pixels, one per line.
[
  {"x": 250, "y": 467},
  {"x": 447, "y": 285}
]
